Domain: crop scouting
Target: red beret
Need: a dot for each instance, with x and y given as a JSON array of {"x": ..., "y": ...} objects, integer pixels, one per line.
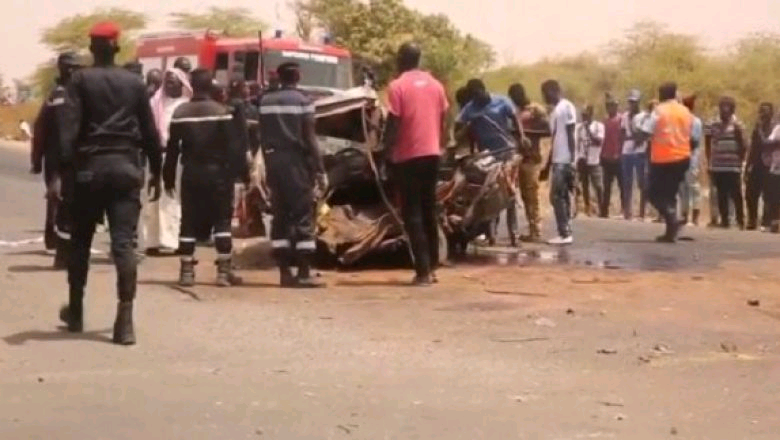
[{"x": 105, "y": 29}]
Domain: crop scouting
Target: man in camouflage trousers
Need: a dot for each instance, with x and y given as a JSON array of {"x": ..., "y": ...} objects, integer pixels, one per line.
[{"x": 535, "y": 128}]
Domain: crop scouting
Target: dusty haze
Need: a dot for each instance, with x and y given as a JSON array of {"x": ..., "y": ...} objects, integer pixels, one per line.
[{"x": 519, "y": 30}]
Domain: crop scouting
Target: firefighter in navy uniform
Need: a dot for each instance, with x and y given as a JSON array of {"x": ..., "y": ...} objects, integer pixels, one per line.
[
  {"x": 294, "y": 167},
  {"x": 207, "y": 135},
  {"x": 45, "y": 147},
  {"x": 105, "y": 125}
]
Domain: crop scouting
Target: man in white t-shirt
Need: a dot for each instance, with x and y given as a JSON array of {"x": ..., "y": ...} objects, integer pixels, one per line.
[
  {"x": 772, "y": 189},
  {"x": 634, "y": 157},
  {"x": 590, "y": 139},
  {"x": 563, "y": 119}
]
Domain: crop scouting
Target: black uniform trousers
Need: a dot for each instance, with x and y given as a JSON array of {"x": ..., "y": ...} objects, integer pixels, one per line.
[
  {"x": 417, "y": 182},
  {"x": 49, "y": 231},
  {"x": 754, "y": 191},
  {"x": 106, "y": 184},
  {"x": 206, "y": 205},
  {"x": 291, "y": 181},
  {"x": 665, "y": 180}
]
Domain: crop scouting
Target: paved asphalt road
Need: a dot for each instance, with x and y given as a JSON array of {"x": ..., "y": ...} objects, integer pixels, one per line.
[{"x": 368, "y": 359}]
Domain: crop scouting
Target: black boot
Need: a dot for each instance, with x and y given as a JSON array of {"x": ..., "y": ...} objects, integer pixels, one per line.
[
  {"x": 225, "y": 275},
  {"x": 286, "y": 277},
  {"x": 124, "y": 334},
  {"x": 304, "y": 278},
  {"x": 72, "y": 314},
  {"x": 187, "y": 272}
]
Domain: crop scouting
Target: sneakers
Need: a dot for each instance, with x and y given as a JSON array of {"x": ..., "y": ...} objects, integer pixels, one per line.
[{"x": 561, "y": 241}]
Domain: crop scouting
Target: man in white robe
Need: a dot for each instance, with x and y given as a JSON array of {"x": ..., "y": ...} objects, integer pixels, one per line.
[{"x": 160, "y": 231}]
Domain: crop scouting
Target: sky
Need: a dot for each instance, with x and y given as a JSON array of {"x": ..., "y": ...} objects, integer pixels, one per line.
[{"x": 518, "y": 30}]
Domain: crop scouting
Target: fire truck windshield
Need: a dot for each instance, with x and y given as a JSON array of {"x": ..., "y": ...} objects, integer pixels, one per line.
[{"x": 317, "y": 70}]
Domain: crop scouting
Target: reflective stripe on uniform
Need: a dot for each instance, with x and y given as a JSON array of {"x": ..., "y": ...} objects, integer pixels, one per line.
[
  {"x": 280, "y": 244},
  {"x": 286, "y": 110},
  {"x": 202, "y": 119},
  {"x": 308, "y": 245},
  {"x": 63, "y": 235},
  {"x": 187, "y": 240},
  {"x": 223, "y": 235}
]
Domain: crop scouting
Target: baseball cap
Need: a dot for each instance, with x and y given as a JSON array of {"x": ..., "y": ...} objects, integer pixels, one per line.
[{"x": 634, "y": 95}]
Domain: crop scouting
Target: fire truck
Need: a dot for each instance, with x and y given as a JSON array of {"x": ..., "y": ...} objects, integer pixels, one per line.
[{"x": 323, "y": 66}]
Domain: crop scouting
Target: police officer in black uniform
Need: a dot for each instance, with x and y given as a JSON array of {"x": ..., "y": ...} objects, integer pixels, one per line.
[
  {"x": 45, "y": 148},
  {"x": 105, "y": 125},
  {"x": 294, "y": 166},
  {"x": 213, "y": 155}
]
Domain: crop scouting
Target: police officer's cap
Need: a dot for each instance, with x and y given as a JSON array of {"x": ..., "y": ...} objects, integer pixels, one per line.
[
  {"x": 287, "y": 67},
  {"x": 68, "y": 59}
]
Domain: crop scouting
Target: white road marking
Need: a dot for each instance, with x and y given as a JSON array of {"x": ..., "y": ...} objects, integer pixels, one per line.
[{"x": 31, "y": 241}]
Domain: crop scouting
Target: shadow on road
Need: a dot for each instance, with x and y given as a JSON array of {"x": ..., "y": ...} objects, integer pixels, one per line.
[
  {"x": 32, "y": 268},
  {"x": 61, "y": 334},
  {"x": 28, "y": 253},
  {"x": 375, "y": 283}
]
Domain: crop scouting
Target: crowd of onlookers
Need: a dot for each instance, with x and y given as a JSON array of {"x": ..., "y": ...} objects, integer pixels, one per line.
[{"x": 741, "y": 170}]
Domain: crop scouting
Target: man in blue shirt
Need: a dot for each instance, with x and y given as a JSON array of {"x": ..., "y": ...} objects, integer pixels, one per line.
[{"x": 489, "y": 120}]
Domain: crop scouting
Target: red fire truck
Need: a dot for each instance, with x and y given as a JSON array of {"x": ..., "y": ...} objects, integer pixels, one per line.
[{"x": 322, "y": 65}]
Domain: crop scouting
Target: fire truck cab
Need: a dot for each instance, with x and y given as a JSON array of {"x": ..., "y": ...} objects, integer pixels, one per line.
[{"x": 322, "y": 65}]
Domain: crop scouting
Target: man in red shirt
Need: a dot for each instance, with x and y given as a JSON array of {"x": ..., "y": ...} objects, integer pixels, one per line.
[
  {"x": 414, "y": 136},
  {"x": 610, "y": 155}
]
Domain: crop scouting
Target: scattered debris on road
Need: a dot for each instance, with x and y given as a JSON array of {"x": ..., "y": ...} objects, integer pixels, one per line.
[
  {"x": 607, "y": 351},
  {"x": 611, "y": 404},
  {"x": 728, "y": 347},
  {"x": 754, "y": 302}
]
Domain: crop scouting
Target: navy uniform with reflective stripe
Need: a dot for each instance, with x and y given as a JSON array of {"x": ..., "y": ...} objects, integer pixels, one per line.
[
  {"x": 290, "y": 170},
  {"x": 205, "y": 134}
]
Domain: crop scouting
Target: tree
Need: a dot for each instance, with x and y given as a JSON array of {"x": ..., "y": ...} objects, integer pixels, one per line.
[
  {"x": 72, "y": 34},
  {"x": 234, "y": 22},
  {"x": 374, "y": 30},
  {"x": 304, "y": 20}
]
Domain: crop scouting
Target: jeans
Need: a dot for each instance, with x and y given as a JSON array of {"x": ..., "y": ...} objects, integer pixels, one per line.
[
  {"x": 417, "y": 181},
  {"x": 772, "y": 194},
  {"x": 633, "y": 164},
  {"x": 665, "y": 181},
  {"x": 591, "y": 177},
  {"x": 729, "y": 185},
  {"x": 560, "y": 196},
  {"x": 690, "y": 192},
  {"x": 612, "y": 172},
  {"x": 755, "y": 190}
]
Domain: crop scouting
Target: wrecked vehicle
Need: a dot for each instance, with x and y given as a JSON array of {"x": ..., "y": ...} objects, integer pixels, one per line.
[{"x": 359, "y": 215}]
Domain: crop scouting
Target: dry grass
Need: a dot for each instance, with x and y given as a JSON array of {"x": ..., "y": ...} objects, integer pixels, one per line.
[{"x": 11, "y": 115}]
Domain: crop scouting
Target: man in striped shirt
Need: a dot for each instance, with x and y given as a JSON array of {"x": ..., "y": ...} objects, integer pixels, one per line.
[
  {"x": 726, "y": 153},
  {"x": 208, "y": 138},
  {"x": 294, "y": 165}
]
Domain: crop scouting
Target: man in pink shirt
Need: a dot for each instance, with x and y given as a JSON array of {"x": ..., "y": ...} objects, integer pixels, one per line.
[
  {"x": 414, "y": 136},
  {"x": 610, "y": 155}
]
